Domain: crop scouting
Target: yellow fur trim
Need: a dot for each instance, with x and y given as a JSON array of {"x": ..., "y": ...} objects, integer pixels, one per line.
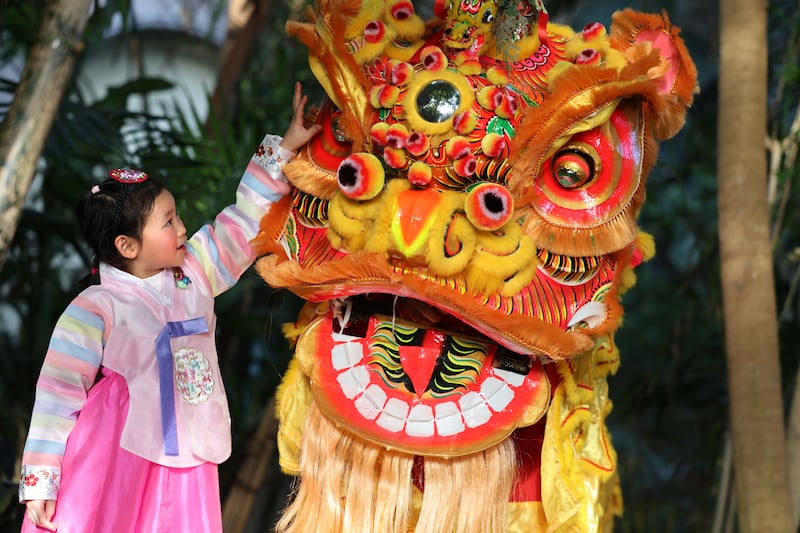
[
  {"x": 647, "y": 245},
  {"x": 366, "y": 52},
  {"x": 293, "y": 398},
  {"x": 410, "y": 29},
  {"x": 562, "y": 30},
  {"x": 370, "y": 10}
]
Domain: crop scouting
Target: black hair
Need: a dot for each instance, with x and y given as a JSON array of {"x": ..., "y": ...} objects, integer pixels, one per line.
[{"x": 115, "y": 209}]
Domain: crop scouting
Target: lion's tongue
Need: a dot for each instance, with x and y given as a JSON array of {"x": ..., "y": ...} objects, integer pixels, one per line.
[{"x": 419, "y": 361}]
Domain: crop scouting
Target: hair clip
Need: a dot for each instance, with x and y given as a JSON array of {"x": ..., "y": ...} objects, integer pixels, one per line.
[
  {"x": 95, "y": 189},
  {"x": 128, "y": 175}
]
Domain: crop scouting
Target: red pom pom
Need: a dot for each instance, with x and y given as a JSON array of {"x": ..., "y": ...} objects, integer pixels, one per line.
[
  {"x": 402, "y": 10},
  {"x": 375, "y": 31},
  {"x": 593, "y": 30},
  {"x": 466, "y": 167}
]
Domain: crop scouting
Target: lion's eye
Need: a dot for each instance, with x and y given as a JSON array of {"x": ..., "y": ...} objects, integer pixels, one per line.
[
  {"x": 488, "y": 206},
  {"x": 573, "y": 169},
  {"x": 488, "y": 17}
]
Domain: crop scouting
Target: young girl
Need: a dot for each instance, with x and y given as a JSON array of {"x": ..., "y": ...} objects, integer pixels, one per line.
[{"x": 131, "y": 419}]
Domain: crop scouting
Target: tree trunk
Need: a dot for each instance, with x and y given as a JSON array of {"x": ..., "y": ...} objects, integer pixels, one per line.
[
  {"x": 793, "y": 452},
  {"x": 47, "y": 71},
  {"x": 247, "y": 20},
  {"x": 243, "y": 496},
  {"x": 751, "y": 333}
]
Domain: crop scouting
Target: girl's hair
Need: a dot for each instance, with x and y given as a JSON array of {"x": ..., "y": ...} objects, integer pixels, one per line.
[{"x": 113, "y": 208}]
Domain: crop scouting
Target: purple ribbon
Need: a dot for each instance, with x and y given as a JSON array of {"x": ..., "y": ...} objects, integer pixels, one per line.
[{"x": 166, "y": 379}]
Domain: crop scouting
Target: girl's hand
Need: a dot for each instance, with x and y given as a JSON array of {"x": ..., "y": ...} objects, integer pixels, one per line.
[
  {"x": 40, "y": 512},
  {"x": 297, "y": 134}
]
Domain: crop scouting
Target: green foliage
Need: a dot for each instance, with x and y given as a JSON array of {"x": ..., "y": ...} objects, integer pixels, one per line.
[{"x": 670, "y": 394}]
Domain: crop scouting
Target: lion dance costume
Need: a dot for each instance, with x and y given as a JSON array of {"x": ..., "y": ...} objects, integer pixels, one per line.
[{"x": 462, "y": 230}]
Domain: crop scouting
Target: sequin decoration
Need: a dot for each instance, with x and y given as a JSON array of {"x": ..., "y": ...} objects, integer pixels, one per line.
[
  {"x": 128, "y": 175},
  {"x": 193, "y": 375},
  {"x": 182, "y": 281}
]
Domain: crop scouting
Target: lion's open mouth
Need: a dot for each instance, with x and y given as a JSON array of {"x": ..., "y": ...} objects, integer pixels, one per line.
[{"x": 431, "y": 385}]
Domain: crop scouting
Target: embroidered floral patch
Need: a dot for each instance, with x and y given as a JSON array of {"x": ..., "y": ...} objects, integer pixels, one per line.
[
  {"x": 39, "y": 481},
  {"x": 270, "y": 158},
  {"x": 193, "y": 375}
]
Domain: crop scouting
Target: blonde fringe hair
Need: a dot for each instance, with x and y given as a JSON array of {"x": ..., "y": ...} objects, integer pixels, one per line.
[{"x": 350, "y": 485}]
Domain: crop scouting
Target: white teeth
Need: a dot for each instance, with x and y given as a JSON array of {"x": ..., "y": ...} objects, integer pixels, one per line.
[
  {"x": 445, "y": 419},
  {"x": 371, "y": 402},
  {"x": 448, "y": 419},
  {"x": 512, "y": 378},
  {"x": 420, "y": 421},
  {"x": 498, "y": 395},
  {"x": 346, "y": 354},
  {"x": 474, "y": 409},
  {"x": 353, "y": 381},
  {"x": 394, "y": 414}
]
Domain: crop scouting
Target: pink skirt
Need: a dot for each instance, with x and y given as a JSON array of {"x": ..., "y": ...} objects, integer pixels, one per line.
[{"x": 107, "y": 489}]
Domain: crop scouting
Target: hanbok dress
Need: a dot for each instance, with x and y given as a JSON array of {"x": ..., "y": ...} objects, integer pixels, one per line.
[{"x": 131, "y": 419}]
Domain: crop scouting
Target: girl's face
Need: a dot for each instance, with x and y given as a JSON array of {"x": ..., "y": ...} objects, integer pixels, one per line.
[{"x": 163, "y": 239}]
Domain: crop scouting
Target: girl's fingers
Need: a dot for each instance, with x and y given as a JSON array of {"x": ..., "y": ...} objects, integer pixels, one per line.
[
  {"x": 298, "y": 93},
  {"x": 298, "y": 108}
]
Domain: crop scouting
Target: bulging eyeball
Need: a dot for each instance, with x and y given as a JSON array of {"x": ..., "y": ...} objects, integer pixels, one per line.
[
  {"x": 361, "y": 176},
  {"x": 488, "y": 205},
  {"x": 572, "y": 169}
]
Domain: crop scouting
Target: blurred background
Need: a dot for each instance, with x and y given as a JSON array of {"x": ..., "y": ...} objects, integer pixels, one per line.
[{"x": 185, "y": 89}]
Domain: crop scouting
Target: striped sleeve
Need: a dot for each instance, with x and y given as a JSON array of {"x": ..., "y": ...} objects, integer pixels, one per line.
[
  {"x": 223, "y": 248},
  {"x": 70, "y": 366}
]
